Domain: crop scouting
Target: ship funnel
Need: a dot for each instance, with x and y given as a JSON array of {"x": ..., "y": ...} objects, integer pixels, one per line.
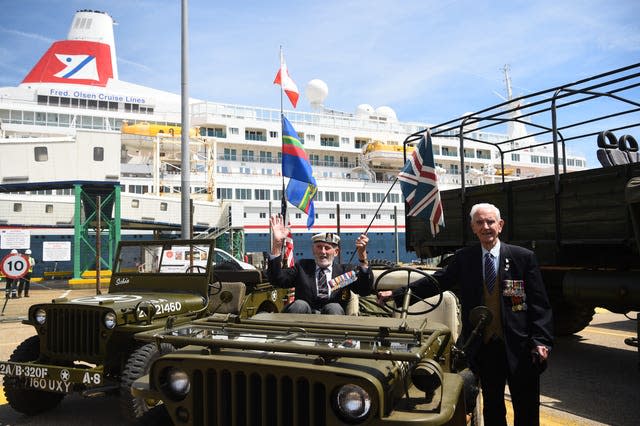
[{"x": 93, "y": 25}]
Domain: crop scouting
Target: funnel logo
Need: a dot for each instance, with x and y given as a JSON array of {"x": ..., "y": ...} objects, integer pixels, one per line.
[
  {"x": 74, "y": 61},
  {"x": 78, "y": 67}
]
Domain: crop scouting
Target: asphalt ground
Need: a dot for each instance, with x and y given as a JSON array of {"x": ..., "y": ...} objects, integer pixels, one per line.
[{"x": 592, "y": 377}]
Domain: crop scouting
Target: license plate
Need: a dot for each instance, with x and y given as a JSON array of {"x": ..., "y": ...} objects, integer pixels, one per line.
[{"x": 52, "y": 378}]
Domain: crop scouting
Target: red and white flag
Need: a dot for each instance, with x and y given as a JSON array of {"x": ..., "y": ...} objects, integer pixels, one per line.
[
  {"x": 288, "y": 249},
  {"x": 288, "y": 85}
]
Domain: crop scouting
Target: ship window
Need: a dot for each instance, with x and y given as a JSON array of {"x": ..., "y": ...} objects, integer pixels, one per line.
[
  {"x": 234, "y": 130},
  {"x": 163, "y": 207},
  {"x": 48, "y": 208},
  {"x": 331, "y": 195},
  {"x": 378, "y": 216},
  {"x": 17, "y": 207},
  {"x": 42, "y": 100},
  {"x": 348, "y": 197},
  {"x": 332, "y": 215},
  {"x": 135, "y": 204},
  {"x": 261, "y": 194},
  {"x": 92, "y": 104},
  {"x": 254, "y": 135},
  {"x": 243, "y": 194},
  {"x": 347, "y": 215},
  {"x": 319, "y": 196},
  {"x": 273, "y": 134},
  {"x": 363, "y": 216},
  {"x": 41, "y": 154},
  {"x": 310, "y": 138},
  {"x": 54, "y": 100},
  {"x": 98, "y": 153},
  {"x": 224, "y": 193},
  {"x": 394, "y": 198},
  {"x": 392, "y": 216},
  {"x": 360, "y": 143},
  {"x": 263, "y": 215},
  {"x": 113, "y": 106},
  {"x": 515, "y": 157},
  {"x": 328, "y": 141},
  {"x": 247, "y": 155},
  {"x": 344, "y": 141},
  {"x": 103, "y": 105},
  {"x": 298, "y": 215},
  {"x": 364, "y": 197},
  {"x": 245, "y": 170}
]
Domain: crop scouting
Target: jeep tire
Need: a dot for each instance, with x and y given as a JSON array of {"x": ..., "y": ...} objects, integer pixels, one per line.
[
  {"x": 26, "y": 400},
  {"x": 138, "y": 365}
]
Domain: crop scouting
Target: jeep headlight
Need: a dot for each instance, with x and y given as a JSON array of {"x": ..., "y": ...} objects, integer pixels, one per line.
[
  {"x": 352, "y": 403},
  {"x": 176, "y": 383},
  {"x": 40, "y": 316},
  {"x": 109, "y": 320}
]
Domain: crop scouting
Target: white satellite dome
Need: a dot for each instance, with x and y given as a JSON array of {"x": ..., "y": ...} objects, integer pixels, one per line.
[
  {"x": 364, "y": 111},
  {"x": 316, "y": 91},
  {"x": 386, "y": 112}
]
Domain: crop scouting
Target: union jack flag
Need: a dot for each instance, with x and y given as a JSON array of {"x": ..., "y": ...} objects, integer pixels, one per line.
[{"x": 419, "y": 185}]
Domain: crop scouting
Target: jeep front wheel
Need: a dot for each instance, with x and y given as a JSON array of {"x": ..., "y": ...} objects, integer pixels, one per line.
[
  {"x": 137, "y": 366},
  {"x": 26, "y": 400}
]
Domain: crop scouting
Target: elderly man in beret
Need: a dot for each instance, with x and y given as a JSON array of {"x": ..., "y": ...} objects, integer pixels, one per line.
[{"x": 312, "y": 277}]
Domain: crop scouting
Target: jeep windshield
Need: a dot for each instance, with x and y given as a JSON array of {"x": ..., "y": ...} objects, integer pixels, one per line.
[{"x": 163, "y": 258}]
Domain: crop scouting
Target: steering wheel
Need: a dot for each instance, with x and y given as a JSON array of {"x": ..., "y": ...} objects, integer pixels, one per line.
[
  {"x": 408, "y": 294},
  {"x": 195, "y": 269}
]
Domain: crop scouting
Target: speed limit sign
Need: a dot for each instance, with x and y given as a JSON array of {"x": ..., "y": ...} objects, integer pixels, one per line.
[{"x": 14, "y": 265}]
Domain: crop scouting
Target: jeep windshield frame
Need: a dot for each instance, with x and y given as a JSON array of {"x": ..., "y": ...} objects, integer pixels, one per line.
[{"x": 172, "y": 265}]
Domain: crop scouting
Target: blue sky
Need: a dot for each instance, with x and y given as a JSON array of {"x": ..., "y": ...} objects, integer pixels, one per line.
[{"x": 430, "y": 61}]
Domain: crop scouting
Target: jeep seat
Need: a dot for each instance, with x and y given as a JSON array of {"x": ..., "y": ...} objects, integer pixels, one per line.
[{"x": 227, "y": 297}]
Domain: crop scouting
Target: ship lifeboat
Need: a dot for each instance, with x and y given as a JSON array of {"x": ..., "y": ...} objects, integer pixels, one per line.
[
  {"x": 508, "y": 171},
  {"x": 385, "y": 156},
  {"x": 147, "y": 129}
]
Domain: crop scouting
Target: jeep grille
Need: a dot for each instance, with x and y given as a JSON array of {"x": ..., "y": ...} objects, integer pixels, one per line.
[
  {"x": 73, "y": 332},
  {"x": 233, "y": 397}
]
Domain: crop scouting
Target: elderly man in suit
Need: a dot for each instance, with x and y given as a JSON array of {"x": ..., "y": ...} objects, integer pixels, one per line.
[
  {"x": 515, "y": 345},
  {"x": 311, "y": 277}
]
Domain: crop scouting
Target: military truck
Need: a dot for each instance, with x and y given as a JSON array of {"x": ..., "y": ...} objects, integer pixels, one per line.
[
  {"x": 86, "y": 345},
  {"x": 582, "y": 225},
  {"x": 295, "y": 369}
]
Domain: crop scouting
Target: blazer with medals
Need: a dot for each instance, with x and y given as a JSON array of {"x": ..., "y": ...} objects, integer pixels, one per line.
[
  {"x": 525, "y": 309},
  {"x": 303, "y": 277}
]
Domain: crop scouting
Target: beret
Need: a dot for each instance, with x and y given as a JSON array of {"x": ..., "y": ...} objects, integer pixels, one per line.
[{"x": 326, "y": 237}]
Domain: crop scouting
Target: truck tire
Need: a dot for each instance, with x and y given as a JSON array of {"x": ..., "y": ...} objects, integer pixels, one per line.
[
  {"x": 28, "y": 401},
  {"x": 137, "y": 366},
  {"x": 570, "y": 318}
]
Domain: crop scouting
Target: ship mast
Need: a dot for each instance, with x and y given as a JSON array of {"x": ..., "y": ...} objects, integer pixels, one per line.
[{"x": 507, "y": 81}]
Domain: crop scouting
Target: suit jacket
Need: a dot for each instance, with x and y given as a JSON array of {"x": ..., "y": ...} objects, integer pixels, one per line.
[
  {"x": 525, "y": 308},
  {"x": 303, "y": 277}
]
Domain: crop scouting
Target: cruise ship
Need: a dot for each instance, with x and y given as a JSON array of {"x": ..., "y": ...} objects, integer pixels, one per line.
[{"x": 73, "y": 122}]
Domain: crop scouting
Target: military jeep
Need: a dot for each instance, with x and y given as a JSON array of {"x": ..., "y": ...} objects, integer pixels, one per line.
[
  {"x": 296, "y": 369},
  {"x": 86, "y": 344}
]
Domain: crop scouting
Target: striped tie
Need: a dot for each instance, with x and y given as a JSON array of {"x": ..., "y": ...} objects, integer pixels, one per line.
[
  {"x": 323, "y": 287},
  {"x": 489, "y": 272}
]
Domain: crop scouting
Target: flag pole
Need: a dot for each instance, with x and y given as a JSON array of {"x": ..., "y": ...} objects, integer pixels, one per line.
[{"x": 283, "y": 198}]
